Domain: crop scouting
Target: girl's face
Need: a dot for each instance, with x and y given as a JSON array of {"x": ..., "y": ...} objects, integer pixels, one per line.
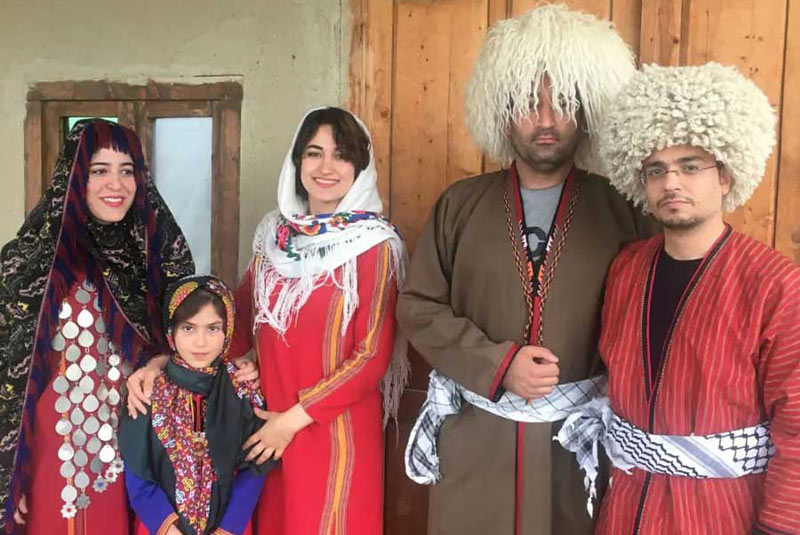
[
  {"x": 326, "y": 176},
  {"x": 200, "y": 339},
  {"x": 112, "y": 185}
]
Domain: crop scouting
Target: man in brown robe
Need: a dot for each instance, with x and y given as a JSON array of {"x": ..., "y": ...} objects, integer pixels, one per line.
[{"x": 504, "y": 290}]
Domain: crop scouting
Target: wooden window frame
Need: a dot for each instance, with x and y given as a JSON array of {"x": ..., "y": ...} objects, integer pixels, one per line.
[{"x": 136, "y": 106}]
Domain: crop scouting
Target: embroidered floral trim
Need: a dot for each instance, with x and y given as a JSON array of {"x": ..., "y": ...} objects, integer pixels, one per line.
[{"x": 316, "y": 225}]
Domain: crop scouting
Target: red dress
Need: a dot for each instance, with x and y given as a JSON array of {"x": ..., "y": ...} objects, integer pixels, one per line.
[
  {"x": 74, "y": 480},
  {"x": 331, "y": 478},
  {"x": 732, "y": 360}
]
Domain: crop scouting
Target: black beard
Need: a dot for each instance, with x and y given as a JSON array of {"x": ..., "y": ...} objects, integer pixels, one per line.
[
  {"x": 546, "y": 160},
  {"x": 681, "y": 224}
]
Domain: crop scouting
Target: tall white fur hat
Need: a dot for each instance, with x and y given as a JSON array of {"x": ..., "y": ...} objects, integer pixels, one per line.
[
  {"x": 586, "y": 61},
  {"x": 711, "y": 106}
]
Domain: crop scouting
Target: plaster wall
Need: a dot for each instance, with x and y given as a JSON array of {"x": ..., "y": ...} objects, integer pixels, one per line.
[{"x": 289, "y": 55}]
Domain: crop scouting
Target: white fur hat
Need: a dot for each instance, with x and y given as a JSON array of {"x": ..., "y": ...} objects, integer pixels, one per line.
[
  {"x": 586, "y": 60},
  {"x": 711, "y": 106}
]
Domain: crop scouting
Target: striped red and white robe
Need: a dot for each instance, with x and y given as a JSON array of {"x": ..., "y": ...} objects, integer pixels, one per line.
[{"x": 731, "y": 360}]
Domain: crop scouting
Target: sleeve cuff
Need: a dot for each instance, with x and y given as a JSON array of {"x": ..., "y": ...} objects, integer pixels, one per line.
[
  {"x": 497, "y": 390},
  {"x": 168, "y": 522}
]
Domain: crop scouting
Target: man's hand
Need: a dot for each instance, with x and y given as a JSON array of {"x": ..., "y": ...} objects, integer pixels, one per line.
[{"x": 533, "y": 372}]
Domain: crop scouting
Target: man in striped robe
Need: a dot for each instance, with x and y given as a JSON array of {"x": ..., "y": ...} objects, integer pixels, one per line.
[{"x": 701, "y": 325}]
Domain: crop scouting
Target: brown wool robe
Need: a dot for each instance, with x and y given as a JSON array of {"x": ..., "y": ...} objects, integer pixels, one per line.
[{"x": 463, "y": 309}]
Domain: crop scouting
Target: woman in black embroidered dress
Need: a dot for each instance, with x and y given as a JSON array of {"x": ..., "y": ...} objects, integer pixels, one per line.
[{"x": 80, "y": 288}]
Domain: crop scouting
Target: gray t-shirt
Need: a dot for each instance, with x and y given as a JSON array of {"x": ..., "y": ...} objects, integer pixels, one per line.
[{"x": 540, "y": 207}]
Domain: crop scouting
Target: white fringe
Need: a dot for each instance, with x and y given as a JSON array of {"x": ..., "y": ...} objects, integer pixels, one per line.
[{"x": 295, "y": 291}]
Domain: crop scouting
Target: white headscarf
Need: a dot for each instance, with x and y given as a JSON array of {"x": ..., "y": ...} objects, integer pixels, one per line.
[{"x": 314, "y": 257}]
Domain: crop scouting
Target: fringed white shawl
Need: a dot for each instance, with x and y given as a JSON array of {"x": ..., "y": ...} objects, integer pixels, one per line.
[{"x": 323, "y": 251}]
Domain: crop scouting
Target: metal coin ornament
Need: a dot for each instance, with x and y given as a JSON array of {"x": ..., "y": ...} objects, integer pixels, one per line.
[
  {"x": 60, "y": 384},
  {"x": 88, "y": 400},
  {"x": 94, "y": 445},
  {"x": 86, "y": 339},
  {"x": 76, "y": 416},
  {"x": 85, "y": 318},
  {"x": 70, "y": 330},
  {"x": 63, "y": 427},
  {"x": 76, "y": 396},
  {"x": 58, "y": 342},
  {"x": 69, "y": 493},
  {"x": 66, "y": 452},
  {"x": 74, "y": 373},
  {"x": 81, "y": 458},
  {"x": 107, "y": 454},
  {"x": 88, "y": 363},
  {"x": 62, "y": 405},
  {"x": 67, "y": 470},
  {"x": 72, "y": 353},
  {"x": 82, "y": 296}
]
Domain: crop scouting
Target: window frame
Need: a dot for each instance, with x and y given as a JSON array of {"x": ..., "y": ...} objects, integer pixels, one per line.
[{"x": 137, "y": 106}]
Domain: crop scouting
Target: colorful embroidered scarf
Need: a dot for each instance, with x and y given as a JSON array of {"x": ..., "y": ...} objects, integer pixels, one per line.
[
  {"x": 200, "y": 419},
  {"x": 295, "y": 253},
  {"x": 130, "y": 262}
]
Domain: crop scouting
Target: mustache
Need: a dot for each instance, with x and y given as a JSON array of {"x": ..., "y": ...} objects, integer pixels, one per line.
[
  {"x": 672, "y": 197},
  {"x": 541, "y": 132}
]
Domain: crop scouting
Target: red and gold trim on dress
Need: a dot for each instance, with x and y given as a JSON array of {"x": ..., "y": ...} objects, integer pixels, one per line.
[
  {"x": 168, "y": 522},
  {"x": 340, "y": 477},
  {"x": 342, "y": 456},
  {"x": 535, "y": 284},
  {"x": 369, "y": 344},
  {"x": 501, "y": 370}
]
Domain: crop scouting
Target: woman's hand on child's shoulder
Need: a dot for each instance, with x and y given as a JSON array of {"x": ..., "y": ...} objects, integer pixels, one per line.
[
  {"x": 140, "y": 385},
  {"x": 21, "y": 511},
  {"x": 247, "y": 370}
]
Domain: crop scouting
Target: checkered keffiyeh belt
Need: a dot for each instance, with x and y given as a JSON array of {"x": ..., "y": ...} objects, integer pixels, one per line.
[
  {"x": 730, "y": 454},
  {"x": 446, "y": 397}
]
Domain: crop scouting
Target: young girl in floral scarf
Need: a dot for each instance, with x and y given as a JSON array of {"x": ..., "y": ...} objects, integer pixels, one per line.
[{"x": 184, "y": 465}]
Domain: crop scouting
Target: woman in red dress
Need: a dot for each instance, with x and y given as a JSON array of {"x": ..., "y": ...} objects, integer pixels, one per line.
[
  {"x": 317, "y": 303},
  {"x": 78, "y": 310}
]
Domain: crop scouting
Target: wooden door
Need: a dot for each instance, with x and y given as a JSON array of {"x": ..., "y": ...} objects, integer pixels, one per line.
[{"x": 410, "y": 61}]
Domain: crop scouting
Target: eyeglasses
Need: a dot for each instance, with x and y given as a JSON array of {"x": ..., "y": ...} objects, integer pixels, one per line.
[{"x": 657, "y": 172}]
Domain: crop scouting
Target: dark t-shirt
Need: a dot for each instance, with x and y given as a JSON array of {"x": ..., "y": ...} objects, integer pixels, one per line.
[{"x": 671, "y": 279}]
